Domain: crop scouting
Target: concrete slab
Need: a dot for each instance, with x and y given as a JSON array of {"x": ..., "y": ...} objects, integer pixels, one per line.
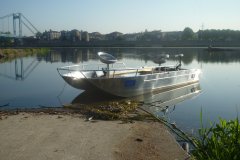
[{"x": 34, "y": 136}]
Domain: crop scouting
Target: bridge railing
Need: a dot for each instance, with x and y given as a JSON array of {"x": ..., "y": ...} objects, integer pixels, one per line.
[{"x": 9, "y": 35}]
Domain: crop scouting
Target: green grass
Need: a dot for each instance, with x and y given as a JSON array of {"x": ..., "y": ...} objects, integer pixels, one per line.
[
  {"x": 43, "y": 50},
  {"x": 221, "y": 141},
  {"x": 7, "y": 53},
  {"x": 26, "y": 50},
  {"x": 39, "y": 50}
]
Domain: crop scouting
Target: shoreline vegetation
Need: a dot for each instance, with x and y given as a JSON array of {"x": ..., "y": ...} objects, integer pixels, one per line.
[
  {"x": 10, "y": 54},
  {"x": 220, "y": 141}
]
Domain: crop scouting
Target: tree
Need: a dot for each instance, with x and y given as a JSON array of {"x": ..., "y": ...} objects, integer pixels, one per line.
[
  {"x": 119, "y": 37},
  {"x": 188, "y": 33},
  {"x": 44, "y": 35},
  {"x": 5, "y": 41},
  {"x": 7, "y": 32},
  {"x": 103, "y": 36},
  {"x": 146, "y": 34},
  {"x": 38, "y": 34}
]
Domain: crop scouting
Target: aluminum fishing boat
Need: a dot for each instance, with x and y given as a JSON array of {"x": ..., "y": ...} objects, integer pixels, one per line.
[{"x": 127, "y": 82}]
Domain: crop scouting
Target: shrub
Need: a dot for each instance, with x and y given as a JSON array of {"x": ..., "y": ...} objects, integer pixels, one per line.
[
  {"x": 26, "y": 50},
  {"x": 31, "y": 49},
  {"x": 7, "y": 53}
]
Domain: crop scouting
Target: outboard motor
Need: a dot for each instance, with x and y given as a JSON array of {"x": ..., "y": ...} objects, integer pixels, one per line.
[
  {"x": 180, "y": 61},
  {"x": 104, "y": 71}
]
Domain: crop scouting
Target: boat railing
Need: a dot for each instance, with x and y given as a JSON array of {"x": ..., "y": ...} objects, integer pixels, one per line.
[
  {"x": 117, "y": 71},
  {"x": 99, "y": 64}
]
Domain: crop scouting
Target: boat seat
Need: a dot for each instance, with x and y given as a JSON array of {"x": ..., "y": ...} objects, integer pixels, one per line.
[{"x": 98, "y": 73}]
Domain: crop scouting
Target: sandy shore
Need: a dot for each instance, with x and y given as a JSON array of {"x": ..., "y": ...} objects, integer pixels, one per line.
[{"x": 40, "y": 136}]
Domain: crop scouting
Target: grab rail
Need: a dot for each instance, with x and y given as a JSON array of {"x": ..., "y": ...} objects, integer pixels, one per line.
[
  {"x": 115, "y": 71},
  {"x": 99, "y": 64}
]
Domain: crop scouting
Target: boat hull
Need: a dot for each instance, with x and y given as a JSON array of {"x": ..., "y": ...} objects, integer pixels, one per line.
[{"x": 136, "y": 85}]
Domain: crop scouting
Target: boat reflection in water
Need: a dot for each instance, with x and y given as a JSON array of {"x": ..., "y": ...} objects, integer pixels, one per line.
[
  {"x": 173, "y": 97},
  {"x": 155, "y": 101}
]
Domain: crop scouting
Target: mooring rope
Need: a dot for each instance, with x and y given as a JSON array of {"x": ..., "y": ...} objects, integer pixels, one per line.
[{"x": 164, "y": 122}]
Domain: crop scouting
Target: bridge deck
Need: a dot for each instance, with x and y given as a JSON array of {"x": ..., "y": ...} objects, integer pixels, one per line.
[{"x": 10, "y": 36}]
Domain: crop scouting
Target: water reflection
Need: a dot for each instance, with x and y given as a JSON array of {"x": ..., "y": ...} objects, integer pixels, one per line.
[
  {"x": 168, "y": 100},
  {"x": 158, "y": 102},
  {"x": 21, "y": 73},
  {"x": 144, "y": 54},
  {"x": 81, "y": 55}
]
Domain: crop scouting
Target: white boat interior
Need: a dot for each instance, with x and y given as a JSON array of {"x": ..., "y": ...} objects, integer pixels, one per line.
[{"x": 79, "y": 71}]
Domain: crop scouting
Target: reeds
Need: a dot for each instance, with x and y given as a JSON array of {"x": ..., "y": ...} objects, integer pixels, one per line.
[{"x": 221, "y": 141}]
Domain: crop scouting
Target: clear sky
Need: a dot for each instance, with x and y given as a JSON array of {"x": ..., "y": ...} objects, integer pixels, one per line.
[{"x": 126, "y": 16}]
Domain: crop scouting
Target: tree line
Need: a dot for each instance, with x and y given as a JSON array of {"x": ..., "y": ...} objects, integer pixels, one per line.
[
  {"x": 221, "y": 35},
  {"x": 212, "y": 34}
]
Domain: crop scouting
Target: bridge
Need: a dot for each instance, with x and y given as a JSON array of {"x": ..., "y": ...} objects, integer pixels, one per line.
[{"x": 15, "y": 16}]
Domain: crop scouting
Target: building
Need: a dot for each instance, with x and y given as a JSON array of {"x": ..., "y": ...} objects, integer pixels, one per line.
[
  {"x": 85, "y": 36},
  {"x": 95, "y": 36},
  {"x": 172, "y": 36},
  {"x": 73, "y": 35},
  {"x": 52, "y": 35},
  {"x": 157, "y": 34},
  {"x": 63, "y": 34},
  {"x": 130, "y": 37},
  {"x": 113, "y": 35}
]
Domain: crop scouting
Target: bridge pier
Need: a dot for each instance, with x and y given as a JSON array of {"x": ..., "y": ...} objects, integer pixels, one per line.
[
  {"x": 19, "y": 16},
  {"x": 16, "y": 70}
]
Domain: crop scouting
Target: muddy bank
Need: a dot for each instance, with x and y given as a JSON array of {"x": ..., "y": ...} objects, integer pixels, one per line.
[{"x": 48, "y": 136}]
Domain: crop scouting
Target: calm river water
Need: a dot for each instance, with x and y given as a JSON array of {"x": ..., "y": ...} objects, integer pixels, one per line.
[{"x": 33, "y": 81}]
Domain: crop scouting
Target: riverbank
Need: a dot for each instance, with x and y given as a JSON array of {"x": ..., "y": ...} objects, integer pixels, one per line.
[
  {"x": 70, "y": 136},
  {"x": 11, "y": 53}
]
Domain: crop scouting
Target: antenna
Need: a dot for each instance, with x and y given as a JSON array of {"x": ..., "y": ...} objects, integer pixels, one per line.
[
  {"x": 202, "y": 26},
  {"x": 202, "y": 29}
]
